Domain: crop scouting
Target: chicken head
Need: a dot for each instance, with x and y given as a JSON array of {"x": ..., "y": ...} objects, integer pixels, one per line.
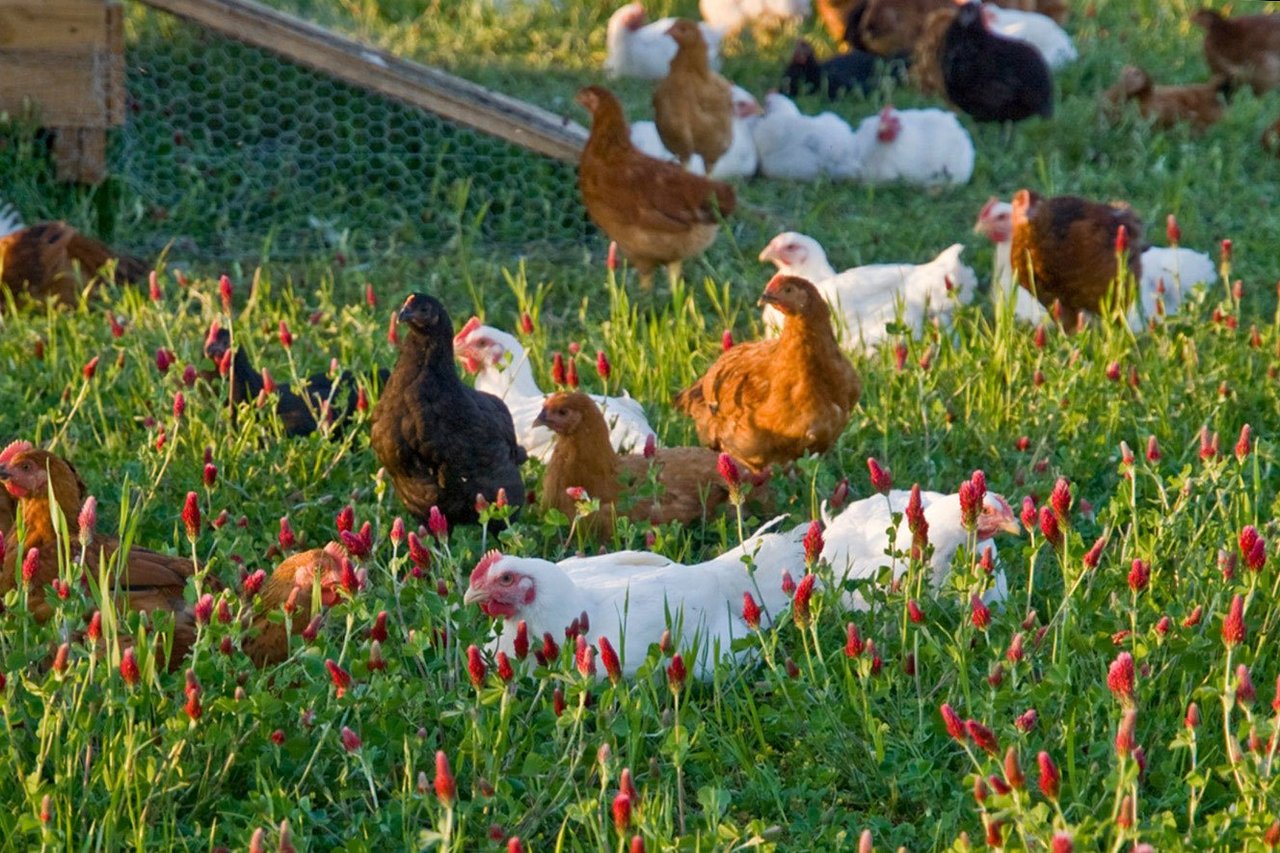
[
  {"x": 790, "y": 294},
  {"x": 562, "y": 412},
  {"x": 425, "y": 316},
  {"x": 499, "y": 590},
  {"x": 889, "y": 126},
  {"x": 996, "y": 517},
  {"x": 26, "y": 472},
  {"x": 686, "y": 33},
  {"x": 995, "y": 220}
]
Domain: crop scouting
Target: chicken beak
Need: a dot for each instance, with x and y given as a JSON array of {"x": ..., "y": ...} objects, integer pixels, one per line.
[
  {"x": 767, "y": 299},
  {"x": 5, "y": 473},
  {"x": 1009, "y": 524},
  {"x": 766, "y": 254},
  {"x": 541, "y": 419},
  {"x": 474, "y": 596}
]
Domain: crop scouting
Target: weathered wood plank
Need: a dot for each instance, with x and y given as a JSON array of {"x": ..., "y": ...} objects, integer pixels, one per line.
[
  {"x": 448, "y": 96},
  {"x": 68, "y": 89},
  {"x": 57, "y": 25},
  {"x": 80, "y": 154}
]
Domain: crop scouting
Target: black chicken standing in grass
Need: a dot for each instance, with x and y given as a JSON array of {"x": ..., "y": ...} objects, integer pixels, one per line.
[
  {"x": 990, "y": 77},
  {"x": 442, "y": 442}
]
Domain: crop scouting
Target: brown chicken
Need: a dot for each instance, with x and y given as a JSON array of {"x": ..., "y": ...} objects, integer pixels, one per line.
[
  {"x": 892, "y": 27},
  {"x": 1064, "y": 250},
  {"x": 926, "y": 60},
  {"x": 1199, "y": 105},
  {"x": 291, "y": 586},
  {"x": 150, "y": 578},
  {"x": 773, "y": 401},
  {"x": 1242, "y": 50},
  {"x": 53, "y": 260},
  {"x": 690, "y": 483},
  {"x": 693, "y": 105},
  {"x": 657, "y": 212}
]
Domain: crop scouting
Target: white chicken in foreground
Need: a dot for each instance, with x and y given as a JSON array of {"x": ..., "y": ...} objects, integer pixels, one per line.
[
  {"x": 638, "y": 49},
  {"x": 740, "y": 161},
  {"x": 627, "y": 595},
  {"x": 502, "y": 369},
  {"x": 1168, "y": 274},
  {"x": 865, "y": 299},
  {"x": 925, "y": 147},
  {"x": 729, "y": 16},
  {"x": 855, "y": 541},
  {"x": 1039, "y": 31},
  {"x": 798, "y": 147}
]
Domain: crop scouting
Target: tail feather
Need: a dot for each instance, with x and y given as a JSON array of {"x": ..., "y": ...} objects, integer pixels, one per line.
[{"x": 93, "y": 254}]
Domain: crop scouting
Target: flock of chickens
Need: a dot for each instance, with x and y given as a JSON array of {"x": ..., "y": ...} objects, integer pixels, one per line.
[{"x": 456, "y": 453}]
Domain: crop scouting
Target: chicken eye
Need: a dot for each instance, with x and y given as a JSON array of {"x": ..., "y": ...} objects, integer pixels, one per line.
[{"x": 506, "y": 579}]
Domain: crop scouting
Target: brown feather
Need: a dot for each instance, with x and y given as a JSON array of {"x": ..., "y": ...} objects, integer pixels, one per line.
[
  {"x": 1245, "y": 49},
  {"x": 1199, "y": 105},
  {"x": 268, "y": 639},
  {"x": 53, "y": 260},
  {"x": 693, "y": 105}
]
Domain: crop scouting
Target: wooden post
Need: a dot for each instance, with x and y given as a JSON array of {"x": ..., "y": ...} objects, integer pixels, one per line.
[{"x": 64, "y": 60}]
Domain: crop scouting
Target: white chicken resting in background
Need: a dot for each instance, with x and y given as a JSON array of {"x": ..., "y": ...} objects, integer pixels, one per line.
[
  {"x": 865, "y": 299},
  {"x": 797, "y": 147},
  {"x": 628, "y": 594},
  {"x": 502, "y": 369},
  {"x": 638, "y": 49},
  {"x": 1039, "y": 31},
  {"x": 855, "y": 541},
  {"x": 740, "y": 161},
  {"x": 10, "y": 219},
  {"x": 925, "y": 147},
  {"x": 1168, "y": 274},
  {"x": 729, "y": 16}
]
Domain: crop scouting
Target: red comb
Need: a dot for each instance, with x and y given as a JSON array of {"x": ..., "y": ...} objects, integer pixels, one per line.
[
  {"x": 13, "y": 448},
  {"x": 467, "y": 328},
  {"x": 482, "y": 568},
  {"x": 986, "y": 208}
]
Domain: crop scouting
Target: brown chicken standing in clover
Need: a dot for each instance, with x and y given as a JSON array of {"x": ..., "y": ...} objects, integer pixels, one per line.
[
  {"x": 693, "y": 105},
  {"x": 773, "y": 401}
]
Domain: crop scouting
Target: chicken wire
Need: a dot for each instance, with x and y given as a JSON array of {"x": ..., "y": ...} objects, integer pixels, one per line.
[{"x": 230, "y": 152}]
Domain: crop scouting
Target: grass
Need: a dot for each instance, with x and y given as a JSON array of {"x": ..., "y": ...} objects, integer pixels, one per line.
[{"x": 755, "y": 757}]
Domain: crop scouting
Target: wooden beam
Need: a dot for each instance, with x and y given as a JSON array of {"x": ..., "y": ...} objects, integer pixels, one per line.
[
  {"x": 54, "y": 25},
  {"x": 80, "y": 154},
  {"x": 448, "y": 96}
]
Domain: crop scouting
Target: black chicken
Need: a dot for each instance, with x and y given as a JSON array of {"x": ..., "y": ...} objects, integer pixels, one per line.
[
  {"x": 855, "y": 70},
  {"x": 334, "y": 400},
  {"x": 441, "y": 441},
  {"x": 990, "y": 77}
]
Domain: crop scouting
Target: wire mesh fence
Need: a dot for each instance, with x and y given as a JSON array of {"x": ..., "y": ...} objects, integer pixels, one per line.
[{"x": 231, "y": 152}]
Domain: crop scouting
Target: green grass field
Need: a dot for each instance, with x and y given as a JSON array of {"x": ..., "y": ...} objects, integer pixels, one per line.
[{"x": 759, "y": 756}]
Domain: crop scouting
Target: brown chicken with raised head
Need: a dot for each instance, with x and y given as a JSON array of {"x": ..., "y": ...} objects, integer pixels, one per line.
[
  {"x": 1066, "y": 249},
  {"x": 583, "y": 457},
  {"x": 1242, "y": 50},
  {"x": 52, "y": 260},
  {"x": 291, "y": 587},
  {"x": 693, "y": 105},
  {"x": 658, "y": 213},
  {"x": 775, "y": 400},
  {"x": 1199, "y": 105}
]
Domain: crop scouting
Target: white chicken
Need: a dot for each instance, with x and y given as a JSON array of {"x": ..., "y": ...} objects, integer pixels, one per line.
[
  {"x": 740, "y": 161},
  {"x": 925, "y": 147},
  {"x": 797, "y": 147},
  {"x": 866, "y": 299},
  {"x": 729, "y": 16},
  {"x": 10, "y": 219},
  {"x": 855, "y": 541},
  {"x": 627, "y": 596},
  {"x": 643, "y": 50},
  {"x": 1039, "y": 31},
  {"x": 502, "y": 369},
  {"x": 1168, "y": 274}
]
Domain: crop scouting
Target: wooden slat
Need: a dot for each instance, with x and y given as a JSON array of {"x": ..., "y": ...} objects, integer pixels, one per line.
[
  {"x": 56, "y": 25},
  {"x": 67, "y": 89},
  {"x": 451, "y": 97},
  {"x": 115, "y": 91},
  {"x": 80, "y": 154}
]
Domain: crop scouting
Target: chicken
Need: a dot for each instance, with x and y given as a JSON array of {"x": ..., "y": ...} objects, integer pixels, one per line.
[
  {"x": 730, "y": 16},
  {"x": 892, "y": 27},
  {"x": 334, "y": 400},
  {"x": 689, "y": 481},
  {"x": 803, "y": 148},
  {"x": 1199, "y": 105},
  {"x": 52, "y": 260},
  {"x": 867, "y": 299},
  {"x": 772, "y": 401},
  {"x": 740, "y": 161},
  {"x": 845, "y": 72},
  {"x": 1242, "y": 50},
  {"x": 644, "y": 50},
  {"x": 290, "y": 586},
  {"x": 693, "y": 105},
  {"x": 502, "y": 369},
  {"x": 926, "y": 147},
  {"x": 657, "y": 212},
  {"x": 836, "y": 14},
  {"x": 1064, "y": 250},
  {"x": 150, "y": 580},
  {"x": 1168, "y": 274},
  {"x": 855, "y": 542},
  {"x": 926, "y": 56},
  {"x": 1038, "y": 30},
  {"x": 990, "y": 77},
  {"x": 442, "y": 443},
  {"x": 627, "y": 596}
]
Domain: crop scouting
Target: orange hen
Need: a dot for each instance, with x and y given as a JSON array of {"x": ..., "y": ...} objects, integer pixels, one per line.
[
  {"x": 291, "y": 587},
  {"x": 1199, "y": 105},
  {"x": 1065, "y": 250},
  {"x": 693, "y": 105},
  {"x": 1242, "y": 50},
  {"x": 583, "y": 457},
  {"x": 54, "y": 260},
  {"x": 772, "y": 401},
  {"x": 658, "y": 213}
]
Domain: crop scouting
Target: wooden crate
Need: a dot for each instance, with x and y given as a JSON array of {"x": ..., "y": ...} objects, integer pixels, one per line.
[{"x": 65, "y": 60}]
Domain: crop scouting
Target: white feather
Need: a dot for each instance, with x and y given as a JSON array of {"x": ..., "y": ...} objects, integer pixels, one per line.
[
  {"x": 1039, "y": 31},
  {"x": 646, "y": 51},
  {"x": 732, "y": 15},
  {"x": 931, "y": 148},
  {"x": 802, "y": 148}
]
